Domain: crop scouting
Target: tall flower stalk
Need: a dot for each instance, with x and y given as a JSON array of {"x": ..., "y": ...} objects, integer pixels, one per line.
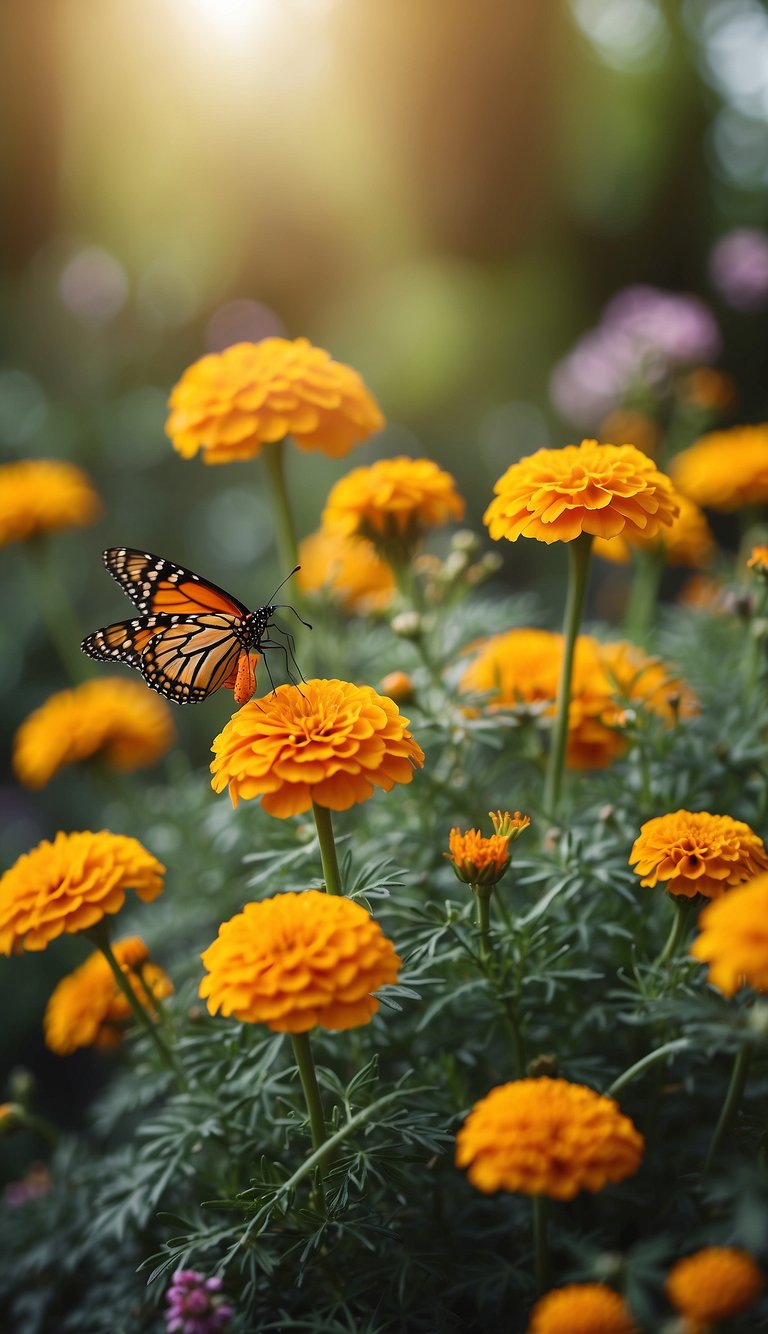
[
  {"x": 579, "y": 552},
  {"x": 328, "y": 854}
]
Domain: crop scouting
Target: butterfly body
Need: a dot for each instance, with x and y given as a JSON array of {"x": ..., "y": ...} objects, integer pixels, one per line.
[{"x": 191, "y": 637}]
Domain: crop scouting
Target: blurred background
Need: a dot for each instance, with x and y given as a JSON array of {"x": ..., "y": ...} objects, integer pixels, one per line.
[{"x": 444, "y": 195}]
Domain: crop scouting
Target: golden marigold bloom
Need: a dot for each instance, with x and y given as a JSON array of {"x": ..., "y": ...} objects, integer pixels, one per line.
[
  {"x": 121, "y": 721},
  {"x": 693, "y": 852},
  {"x": 87, "y": 1009},
  {"x": 709, "y": 389},
  {"x": 296, "y": 961},
  {"x": 581, "y": 1308},
  {"x": 688, "y": 541},
  {"x": 547, "y": 1137},
  {"x": 398, "y": 686},
  {"x": 478, "y": 860},
  {"x": 647, "y": 682},
  {"x": 71, "y": 884},
  {"x": 349, "y": 568},
  {"x": 714, "y": 1284},
  {"x": 330, "y": 743},
  {"x": 41, "y": 495},
  {"x": 702, "y": 593},
  {"x": 392, "y": 500},
  {"x": 734, "y": 938},
  {"x": 726, "y": 469},
  {"x": 758, "y": 561},
  {"x": 229, "y": 404},
  {"x": 555, "y": 495}
]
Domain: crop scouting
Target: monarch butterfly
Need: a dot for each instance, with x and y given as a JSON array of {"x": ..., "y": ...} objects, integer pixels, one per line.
[{"x": 190, "y": 637}]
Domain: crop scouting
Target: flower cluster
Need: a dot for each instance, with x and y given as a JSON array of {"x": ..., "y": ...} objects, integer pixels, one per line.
[
  {"x": 547, "y": 1137},
  {"x": 42, "y": 495},
  {"x": 738, "y": 267},
  {"x": 121, "y": 721},
  {"x": 299, "y": 960},
  {"x": 87, "y": 1009},
  {"x": 478, "y": 860},
  {"x": 196, "y": 1304},
  {"x": 714, "y": 1284},
  {"x": 229, "y": 404},
  {"x": 734, "y": 938},
  {"x": 607, "y": 490},
  {"x": 726, "y": 469},
  {"x": 347, "y": 568},
  {"x": 330, "y": 743},
  {"x": 581, "y": 1308},
  {"x": 693, "y": 852},
  {"x": 392, "y": 501},
  {"x": 70, "y": 885}
]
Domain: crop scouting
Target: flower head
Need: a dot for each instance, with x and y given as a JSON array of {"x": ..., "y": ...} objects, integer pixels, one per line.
[
  {"x": 87, "y": 1009},
  {"x": 330, "y": 742},
  {"x": 714, "y": 1283},
  {"x": 547, "y": 1137},
  {"x": 478, "y": 860},
  {"x": 734, "y": 938},
  {"x": 693, "y": 852},
  {"x": 738, "y": 267},
  {"x": 647, "y": 682},
  {"x": 122, "y": 721},
  {"x": 758, "y": 561},
  {"x": 196, "y": 1304},
  {"x": 229, "y": 404},
  {"x": 581, "y": 1308},
  {"x": 509, "y": 826},
  {"x": 555, "y": 495},
  {"x": 398, "y": 686},
  {"x": 349, "y": 568},
  {"x": 726, "y": 469},
  {"x": 688, "y": 540},
  {"x": 296, "y": 961},
  {"x": 71, "y": 884},
  {"x": 394, "y": 500},
  {"x": 671, "y": 327},
  {"x": 41, "y": 495}
]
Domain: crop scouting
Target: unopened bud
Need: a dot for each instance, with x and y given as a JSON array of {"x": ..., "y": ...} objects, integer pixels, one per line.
[
  {"x": 465, "y": 540},
  {"x": 407, "y": 624}
]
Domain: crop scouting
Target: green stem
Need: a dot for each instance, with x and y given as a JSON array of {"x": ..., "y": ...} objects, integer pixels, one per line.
[
  {"x": 100, "y": 936},
  {"x": 645, "y": 1063},
  {"x": 52, "y": 601},
  {"x": 731, "y": 1105},
  {"x": 285, "y": 531},
  {"x": 644, "y": 594},
  {"x": 683, "y": 909},
  {"x": 540, "y": 1219},
  {"x": 328, "y": 856},
  {"x": 483, "y": 919},
  {"x": 579, "y": 551},
  {"x": 305, "y": 1062}
]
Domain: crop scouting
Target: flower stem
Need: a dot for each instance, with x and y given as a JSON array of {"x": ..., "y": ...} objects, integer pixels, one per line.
[
  {"x": 731, "y": 1105},
  {"x": 540, "y": 1219},
  {"x": 285, "y": 531},
  {"x": 579, "y": 551},
  {"x": 483, "y": 918},
  {"x": 683, "y": 909},
  {"x": 644, "y": 593},
  {"x": 305, "y": 1062},
  {"x": 52, "y": 601},
  {"x": 99, "y": 935},
  {"x": 645, "y": 1063},
  {"x": 328, "y": 856}
]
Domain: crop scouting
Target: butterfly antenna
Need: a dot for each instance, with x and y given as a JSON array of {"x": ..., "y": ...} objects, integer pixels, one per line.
[{"x": 284, "y": 581}]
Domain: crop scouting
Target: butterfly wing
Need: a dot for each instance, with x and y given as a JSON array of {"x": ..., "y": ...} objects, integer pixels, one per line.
[
  {"x": 157, "y": 586},
  {"x": 190, "y": 658},
  {"x": 125, "y": 641}
]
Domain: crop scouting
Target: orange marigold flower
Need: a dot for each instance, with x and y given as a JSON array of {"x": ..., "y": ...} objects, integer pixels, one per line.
[
  {"x": 330, "y": 742},
  {"x": 475, "y": 859},
  {"x": 71, "y": 884},
  {"x": 547, "y": 1137},
  {"x": 693, "y": 852},
  {"x": 647, "y": 682},
  {"x": 581, "y": 1308},
  {"x": 688, "y": 541},
  {"x": 398, "y": 686},
  {"x": 714, "y": 1283},
  {"x": 702, "y": 593},
  {"x": 726, "y": 469},
  {"x": 555, "y": 495},
  {"x": 758, "y": 561},
  {"x": 41, "y": 495},
  {"x": 295, "y": 961},
  {"x": 709, "y": 389},
  {"x": 87, "y": 1009},
  {"x": 121, "y": 721},
  {"x": 394, "y": 500},
  {"x": 349, "y": 568},
  {"x": 228, "y": 404},
  {"x": 734, "y": 938}
]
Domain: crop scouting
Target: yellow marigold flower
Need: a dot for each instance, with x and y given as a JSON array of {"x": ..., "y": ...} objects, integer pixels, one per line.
[
  {"x": 71, "y": 884},
  {"x": 296, "y": 961},
  {"x": 581, "y": 1308},
  {"x": 688, "y": 541},
  {"x": 714, "y": 1283},
  {"x": 87, "y": 1009},
  {"x": 734, "y": 938},
  {"x": 121, "y": 721},
  {"x": 330, "y": 743},
  {"x": 228, "y": 404},
  {"x": 349, "y": 568},
  {"x": 41, "y": 495},
  {"x": 758, "y": 561},
  {"x": 398, "y": 686},
  {"x": 478, "y": 860},
  {"x": 693, "y": 852},
  {"x": 394, "y": 500},
  {"x": 647, "y": 682},
  {"x": 555, "y": 495},
  {"x": 702, "y": 593},
  {"x": 709, "y": 389},
  {"x": 547, "y": 1137},
  {"x": 726, "y": 469}
]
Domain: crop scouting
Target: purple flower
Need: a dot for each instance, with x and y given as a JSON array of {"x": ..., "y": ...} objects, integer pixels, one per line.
[
  {"x": 738, "y": 267},
  {"x": 671, "y": 326},
  {"x": 195, "y": 1304},
  {"x": 590, "y": 379}
]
